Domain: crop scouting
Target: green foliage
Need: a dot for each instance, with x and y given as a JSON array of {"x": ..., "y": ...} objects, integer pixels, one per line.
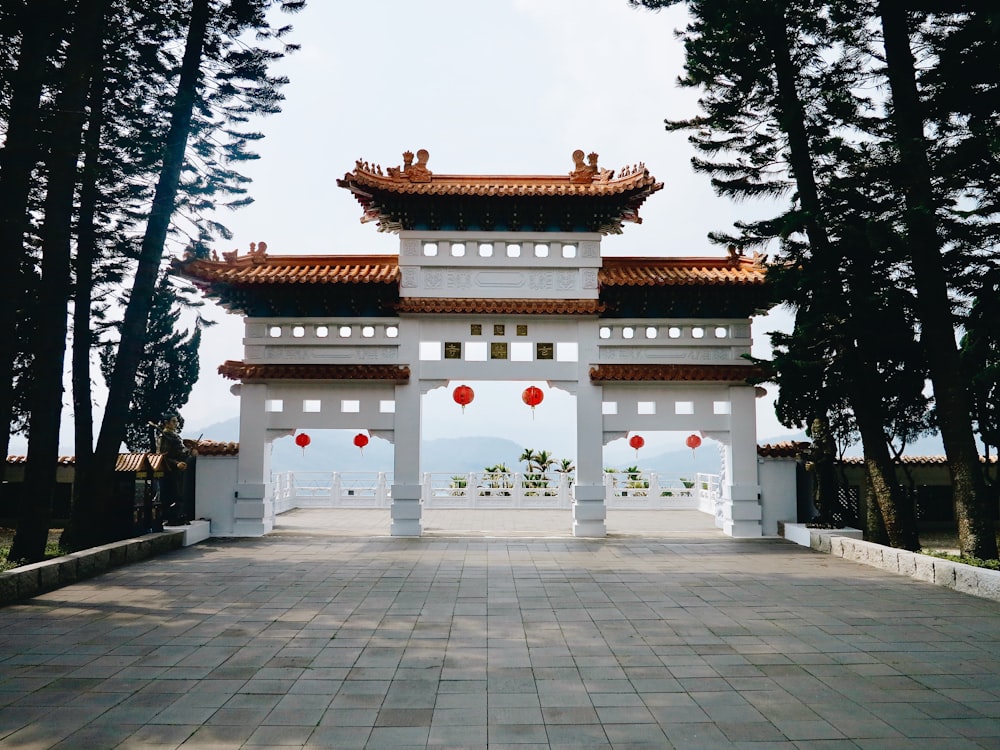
[
  {"x": 169, "y": 366},
  {"x": 974, "y": 561}
]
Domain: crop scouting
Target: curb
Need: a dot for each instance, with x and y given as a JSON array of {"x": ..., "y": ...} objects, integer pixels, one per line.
[
  {"x": 967, "y": 579},
  {"x": 37, "y": 578}
]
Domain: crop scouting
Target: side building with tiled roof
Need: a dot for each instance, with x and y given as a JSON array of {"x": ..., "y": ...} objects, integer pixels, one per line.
[{"x": 497, "y": 277}]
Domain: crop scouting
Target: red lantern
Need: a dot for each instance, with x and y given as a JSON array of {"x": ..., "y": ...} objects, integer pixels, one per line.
[
  {"x": 463, "y": 396},
  {"x": 361, "y": 440},
  {"x": 693, "y": 441},
  {"x": 302, "y": 440},
  {"x": 532, "y": 396},
  {"x": 636, "y": 441}
]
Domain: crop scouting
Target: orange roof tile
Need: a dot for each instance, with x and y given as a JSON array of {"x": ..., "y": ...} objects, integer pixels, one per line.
[
  {"x": 658, "y": 373},
  {"x": 19, "y": 460},
  {"x": 294, "y": 269},
  {"x": 214, "y": 447},
  {"x": 681, "y": 271},
  {"x": 234, "y": 370},
  {"x": 501, "y": 306},
  {"x": 416, "y": 179},
  {"x": 784, "y": 449}
]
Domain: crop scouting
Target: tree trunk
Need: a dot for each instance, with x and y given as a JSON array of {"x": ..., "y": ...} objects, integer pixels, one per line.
[
  {"x": 977, "y": 534},
  {"x": 89, "y": 517},
  {"x": 82, "y": 56},
  {"x": 86, "y": 257},
  {"x": 39, "y": 22},
  {"x": 896, "y": 510}
]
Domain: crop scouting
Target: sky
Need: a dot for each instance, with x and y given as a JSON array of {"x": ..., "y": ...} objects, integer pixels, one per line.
[{"x": 506, "y": 86}]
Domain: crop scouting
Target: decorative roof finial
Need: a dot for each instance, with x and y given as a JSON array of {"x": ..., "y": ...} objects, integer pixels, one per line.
[{"x": 583, "y": 172}]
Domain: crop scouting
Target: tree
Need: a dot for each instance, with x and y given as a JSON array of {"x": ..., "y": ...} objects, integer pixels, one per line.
[
  {"x": 977, "y": 533},
  {"x": 241, "y": 87},
  {"x": 82, "y": 58},
  {"x": 168, "y": 369},
  {"x": 36, "y": 27},
  {"x": 772, "y": 79},
  {"x": 866, "y": 178}
]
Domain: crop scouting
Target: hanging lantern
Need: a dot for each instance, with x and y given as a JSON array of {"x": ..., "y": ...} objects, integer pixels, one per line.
[
  {"x": 636, "y": 441},
  {"x": 302, "y": 440},
  {"x": 361, "y": 440},
  {"x": 463, "y": 396},
  {"x": 532, "y": 396},
  {"x": 692, "y": 442}
]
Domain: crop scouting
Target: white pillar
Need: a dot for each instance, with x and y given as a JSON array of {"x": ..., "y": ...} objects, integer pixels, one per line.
[
  {"x": 253, "y": 502},
  {"x": 741, "y": 509},
  {"x": 589, "y": 510},
  {"x": 406, "y": 485}
]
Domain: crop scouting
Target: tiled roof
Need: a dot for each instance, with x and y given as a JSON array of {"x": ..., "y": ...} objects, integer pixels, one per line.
[
  {"x": 915, "y": 460},
  {"x": 416, "y": 179},
  {"x": 19, "y": 460},
  {"x": 633, "y": 272},
  {"x": 294, "y": 269},
  {"x": 676, "y": 373},
  {"x": 235, "y": 370},
  {"x": 214, "y": 448},
  {"x": 501, "y": 306},
  {"x": 384, "y": 269},
  {"x": 792, "y": 449},
  {"x": 784, "y": 449}
]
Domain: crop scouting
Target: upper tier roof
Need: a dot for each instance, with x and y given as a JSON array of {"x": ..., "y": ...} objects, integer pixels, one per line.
[
  {"x": 368, "y": 285},
  {"x": 586, "y": 199}
]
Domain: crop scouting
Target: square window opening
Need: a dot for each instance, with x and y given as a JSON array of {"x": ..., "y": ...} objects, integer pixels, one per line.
[
  {"x": 567, "y": 351},
  {"x": 430, "y": 351},
  {"x": 521, "y": 351},
  {"x": 350, "y": 406},
  {"x": 476, "y": 351}
]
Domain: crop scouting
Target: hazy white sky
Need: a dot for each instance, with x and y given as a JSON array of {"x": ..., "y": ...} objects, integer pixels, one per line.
[{"x": 506, "y": 86}]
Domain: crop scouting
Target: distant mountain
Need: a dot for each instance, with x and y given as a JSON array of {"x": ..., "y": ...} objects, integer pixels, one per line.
[{"x": 334, "y": 448}]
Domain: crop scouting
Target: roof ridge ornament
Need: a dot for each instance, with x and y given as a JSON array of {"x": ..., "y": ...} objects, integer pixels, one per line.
[
  {"x": 412, "y": 172},
  {"x": 585, "y": 172},
  {"x": 257, "y": 254}
]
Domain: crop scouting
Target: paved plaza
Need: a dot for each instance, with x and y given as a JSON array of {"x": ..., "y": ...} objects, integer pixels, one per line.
[{"x": 499, "y": 629}]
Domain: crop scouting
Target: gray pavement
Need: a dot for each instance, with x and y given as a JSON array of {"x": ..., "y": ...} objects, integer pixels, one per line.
[{"x": 497, "y": 629}]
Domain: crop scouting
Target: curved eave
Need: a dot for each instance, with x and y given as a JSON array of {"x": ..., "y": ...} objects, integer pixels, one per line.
[
  {"x": 240, "y": 371},
  {"x": 476, "y": 306},
  {"x": 294, "y": 269},
  {"x": 365, "y": 184},
  {"x": 654, "y": 272},
  {"x": 609, "y": 373}
]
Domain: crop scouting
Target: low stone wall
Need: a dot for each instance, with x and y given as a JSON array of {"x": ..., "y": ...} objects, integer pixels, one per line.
[
  {"x": 953, "y": 575},
  {"x": 37, "y": 578}
]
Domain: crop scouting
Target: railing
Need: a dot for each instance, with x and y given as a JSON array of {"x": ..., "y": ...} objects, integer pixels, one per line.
[
  {"x": 332, "y": 489},
  {"x": 624, "y": 490},
  {"x": 508, "y": 489}
]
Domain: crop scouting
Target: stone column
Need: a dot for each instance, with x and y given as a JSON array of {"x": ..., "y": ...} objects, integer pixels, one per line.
[
  {"x": 741, "y": 509},
  {"x": 589, "y": 509},
  {"x": 253, "y": 513},
  {"x": 406, "y": 487}
]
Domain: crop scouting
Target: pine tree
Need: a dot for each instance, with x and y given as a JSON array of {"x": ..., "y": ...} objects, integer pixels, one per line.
[
  {"x": 169, "y": 366},
  {"x": 773, "y": 76}
]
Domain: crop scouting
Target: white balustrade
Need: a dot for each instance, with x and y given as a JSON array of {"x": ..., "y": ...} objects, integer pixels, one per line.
[{"x": 479, "y": 489}]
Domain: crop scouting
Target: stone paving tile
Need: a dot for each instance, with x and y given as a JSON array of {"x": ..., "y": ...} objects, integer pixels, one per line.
[{"x": 665, "y": 635}]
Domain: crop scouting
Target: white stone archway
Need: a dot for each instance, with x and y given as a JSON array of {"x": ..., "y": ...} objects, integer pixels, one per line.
[{"x": 497, "y": 278}]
